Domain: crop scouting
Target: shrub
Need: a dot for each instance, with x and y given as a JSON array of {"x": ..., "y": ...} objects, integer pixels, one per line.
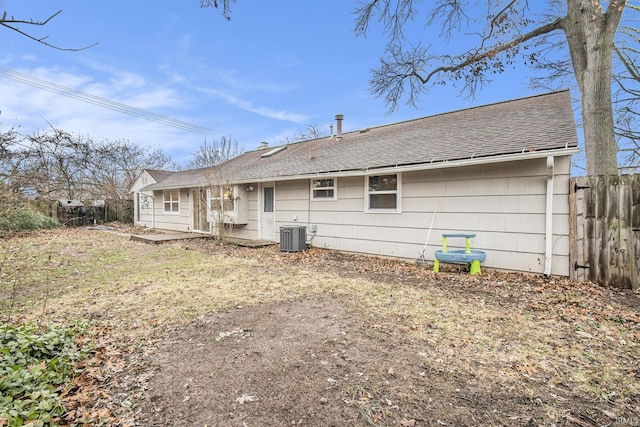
[{"x": 20, "y": 219}]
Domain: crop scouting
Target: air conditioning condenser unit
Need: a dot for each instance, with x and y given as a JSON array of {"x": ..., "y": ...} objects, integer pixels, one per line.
[{"x": 293, "y": 238}]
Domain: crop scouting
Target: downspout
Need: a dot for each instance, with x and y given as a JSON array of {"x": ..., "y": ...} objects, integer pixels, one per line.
[
  {"x": 309, "y": 227},
  {"x": 153, "y": 212},
  {"x": 548, "y": 251}
]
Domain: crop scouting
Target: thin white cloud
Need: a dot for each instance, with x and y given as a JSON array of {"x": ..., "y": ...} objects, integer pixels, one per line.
[
  {"x": 262, "y": 111},
  {"x": 282, "y": 61},
  {"x": 124, "y": 87},
  {"x": 174, "y": 76},
  {"x": 34, "y": 109},
  {"x": 159, "y": 97},
  {"x": 185, "y": 42},
  {"x": 128, "y": 79},
  {"x": 229, "y": 78}
]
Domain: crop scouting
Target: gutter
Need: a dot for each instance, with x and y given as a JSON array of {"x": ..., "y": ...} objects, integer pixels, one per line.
[
  {"x": 364, "y": 171},
  {"x": 445, "y": 164}
]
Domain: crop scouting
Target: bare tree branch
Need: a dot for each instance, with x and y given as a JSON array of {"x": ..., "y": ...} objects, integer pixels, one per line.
[
  {"x": 490, "y": 53},
  {"x": 451, "y": 13},
  {"x": 226, "y": 6},
  {"x": 214, "y": 153},
  {"x": 405, "y": 68},
  {"x": 311, "y": 132},
  {"x": 12, "y": 24},
  {"x": 393, "y": 18}
]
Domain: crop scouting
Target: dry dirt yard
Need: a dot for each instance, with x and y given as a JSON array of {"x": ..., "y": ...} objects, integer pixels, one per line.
[{"x": 201, "y": 334}]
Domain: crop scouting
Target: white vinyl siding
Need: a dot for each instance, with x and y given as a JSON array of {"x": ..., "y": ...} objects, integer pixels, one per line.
[
  {"x": 504, "y": 204},
  {"x": 174, "y": 220}
]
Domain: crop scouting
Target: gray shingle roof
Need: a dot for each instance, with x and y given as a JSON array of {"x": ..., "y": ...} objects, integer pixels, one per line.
[
  {"x": 526, "y": 125},
  {"x": 159, "y": 175}
]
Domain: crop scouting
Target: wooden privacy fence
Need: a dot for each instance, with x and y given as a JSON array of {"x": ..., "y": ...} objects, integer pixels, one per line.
[
  {"x": 112, "y": 210},
  {"x": 605, "y": 230},
  {"x": 118, "y": 210}
]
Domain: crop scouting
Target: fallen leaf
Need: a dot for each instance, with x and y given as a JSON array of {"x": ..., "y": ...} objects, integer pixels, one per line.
[{"x": 245, "y": 398}]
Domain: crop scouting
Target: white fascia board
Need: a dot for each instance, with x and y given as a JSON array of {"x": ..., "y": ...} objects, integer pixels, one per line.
[
  {"x": 160, "y": 187},
  {"x": 422, "y": 166}
]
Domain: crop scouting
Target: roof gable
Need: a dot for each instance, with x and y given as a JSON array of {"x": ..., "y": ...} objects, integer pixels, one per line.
[
  {"x": 159, "y": 175},
  {"x": 148, "y": 177}
]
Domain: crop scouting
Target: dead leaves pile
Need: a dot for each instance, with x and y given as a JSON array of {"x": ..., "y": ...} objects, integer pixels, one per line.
[{"x": 91, "y": 398}]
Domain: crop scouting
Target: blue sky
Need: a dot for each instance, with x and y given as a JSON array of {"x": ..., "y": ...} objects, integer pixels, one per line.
[{"x": 274, "y": 69}]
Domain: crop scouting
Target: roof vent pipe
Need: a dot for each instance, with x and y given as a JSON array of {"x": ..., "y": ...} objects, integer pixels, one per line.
[
  {"x": 263, "y": 145},
  {"x": 339, "y": 118}
]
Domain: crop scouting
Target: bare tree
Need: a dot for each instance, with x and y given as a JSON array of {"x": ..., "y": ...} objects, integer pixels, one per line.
[
  {"x": 18, "y": 25},
  {"x": 553, "y": 69},
  {"x": 311, "y": 132},
  {"x": 115, "y": 165},
  {"x": 218, "y": 197},
  {"x": 627, "y": 96},
  {"x": 8, "y": 138},
  {"x": 510, "y": 28},
  {"x": 214, "y": 153},
  {"x": 51, "y": 164},
  {"x": 55, "y": 164}
]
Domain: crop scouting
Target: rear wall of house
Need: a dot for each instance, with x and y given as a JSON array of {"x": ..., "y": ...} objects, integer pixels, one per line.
[
  {"x": 176, "y": 221},
  {"x": 504, "y": 204}
]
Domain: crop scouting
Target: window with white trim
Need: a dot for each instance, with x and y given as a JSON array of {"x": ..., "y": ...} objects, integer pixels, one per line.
[
  {"x": 172, "y": 201},
  {"x": 383, "y": 193},
  {"x": 222, "y": 199},
  {"x": 324, "y": 189}
]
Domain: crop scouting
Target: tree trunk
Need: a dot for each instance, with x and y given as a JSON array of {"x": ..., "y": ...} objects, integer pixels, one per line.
[{"x": 590, "y": 34}]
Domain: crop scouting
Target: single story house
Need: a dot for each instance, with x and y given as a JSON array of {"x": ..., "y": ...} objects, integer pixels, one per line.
[{"x": 500, "y": 171}]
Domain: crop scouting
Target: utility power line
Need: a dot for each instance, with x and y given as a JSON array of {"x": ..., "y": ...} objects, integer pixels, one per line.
[{"x": 102, "y": 102}]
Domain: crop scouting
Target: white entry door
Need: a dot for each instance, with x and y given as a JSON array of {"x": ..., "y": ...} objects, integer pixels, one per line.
[{"x": 267, "y": 209}]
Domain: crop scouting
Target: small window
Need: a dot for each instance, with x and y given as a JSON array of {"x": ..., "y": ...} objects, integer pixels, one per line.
[
  {"x": 268, "y": 199},
  {"x": 224, "y": 202},
  {"x": 383, "y": 193},
  {"x": 172, "y": 201},
  {"x": 323, "y": 189}
]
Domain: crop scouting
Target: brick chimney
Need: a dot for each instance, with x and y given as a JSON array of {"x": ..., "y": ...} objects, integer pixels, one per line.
[{"x": 339, "y": 118}]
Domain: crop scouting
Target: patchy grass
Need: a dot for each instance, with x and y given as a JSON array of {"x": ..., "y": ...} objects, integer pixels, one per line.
[
  {"x": 138, "y": 287},
  {"x": 519, "y": 334}
]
